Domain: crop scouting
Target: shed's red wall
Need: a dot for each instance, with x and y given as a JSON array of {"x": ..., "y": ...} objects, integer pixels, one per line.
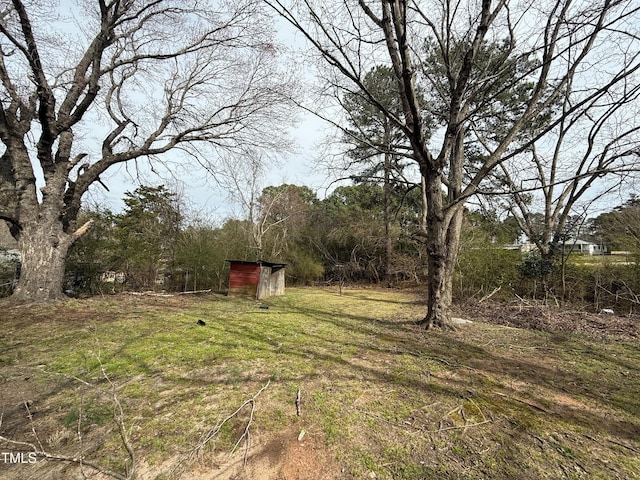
[{"x": 244, "y": 278}]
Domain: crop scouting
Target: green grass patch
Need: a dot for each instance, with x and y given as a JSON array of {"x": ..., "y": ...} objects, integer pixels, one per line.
[{"x": 379, "y": 395}]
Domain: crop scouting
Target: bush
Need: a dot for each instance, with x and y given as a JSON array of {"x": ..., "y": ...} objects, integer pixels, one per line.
[
  {"x": 9, "y": 266},
  {"x": 303, "y": 269},
  {"x": 483, "y": 269}
]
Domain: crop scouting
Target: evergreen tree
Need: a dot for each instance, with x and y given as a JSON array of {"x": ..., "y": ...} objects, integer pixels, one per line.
[{"x": 146, "y": 233}]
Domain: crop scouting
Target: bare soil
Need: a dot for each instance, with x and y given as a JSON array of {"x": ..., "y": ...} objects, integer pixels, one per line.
[{"x": 277, "y": 457}]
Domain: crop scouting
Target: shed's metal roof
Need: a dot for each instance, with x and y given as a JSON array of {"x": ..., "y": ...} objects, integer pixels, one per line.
[{"x": 259, "y": 262}]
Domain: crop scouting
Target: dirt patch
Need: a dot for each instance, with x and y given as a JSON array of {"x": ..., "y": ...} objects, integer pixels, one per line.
[
  {"x": 103, "y": 308},
  {"x": 281, "y": 457}
]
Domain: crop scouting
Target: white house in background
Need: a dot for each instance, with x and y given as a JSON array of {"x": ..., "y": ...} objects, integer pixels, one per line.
[
  {"x": 521, "y": 247},
  {"x": 582, "y": 247},
  {"x": 577, "y": 246}
]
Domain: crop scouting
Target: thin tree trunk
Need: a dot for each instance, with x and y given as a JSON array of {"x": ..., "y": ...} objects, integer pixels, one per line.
[
  {"x": 453, "y": 224},
  {"x": 453, "y": 243},
  {"x": 563, "y": 277},
  {"x": 387, "y": 217}
]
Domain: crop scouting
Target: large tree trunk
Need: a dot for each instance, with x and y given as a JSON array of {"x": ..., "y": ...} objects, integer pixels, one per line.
[
  {"x": 438, "y": 283},
  {"x": 43, "y": 248},
  {"x": 443, "y": 235}
]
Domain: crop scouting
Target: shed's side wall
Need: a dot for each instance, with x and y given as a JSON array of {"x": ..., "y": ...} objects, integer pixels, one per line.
[{"x": 277, "y": 282}]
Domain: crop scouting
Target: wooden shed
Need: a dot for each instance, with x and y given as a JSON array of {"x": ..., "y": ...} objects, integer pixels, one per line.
[{"x": 259, "y": 279}]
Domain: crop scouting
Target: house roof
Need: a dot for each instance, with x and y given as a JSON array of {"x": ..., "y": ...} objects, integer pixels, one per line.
[
  {"x": 259, "y": 262},
  {"x": 577, "y": 241}
]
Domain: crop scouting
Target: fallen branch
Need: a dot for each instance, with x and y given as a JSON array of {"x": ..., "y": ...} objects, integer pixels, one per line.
[
  {"x": 69, "y": 377},
  {"x": 459, "y": 427},
  {"x": 529, "y": 404},
  {"x": 150, "y": 294},
  {"x": 389, "y": 422},
  {"x": 246, "y": 436},
  {"x": 449, "y": 364},
  {"x": 615, "y": 442},
  {"x": 524, "y": 303},
  {"x": 155, "y": 294},
  {"x": 42, "y": 453},
  {"x": 194, "y": 292},
  {"x": 459, "y": 410},
  {"x": 118, "y": 417},
  {"x": 63, "y": 458},
  {"x": 487, "y": 297}
]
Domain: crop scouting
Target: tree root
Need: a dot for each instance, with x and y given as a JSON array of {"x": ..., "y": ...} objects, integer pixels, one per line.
[{"x": 431, "y": 324}]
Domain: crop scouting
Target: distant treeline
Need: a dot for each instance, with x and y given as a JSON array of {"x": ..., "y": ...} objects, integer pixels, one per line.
[{"x": 346, "y": 237}]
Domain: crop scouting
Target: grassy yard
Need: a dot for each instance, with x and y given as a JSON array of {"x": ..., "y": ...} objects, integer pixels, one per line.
[{"x": 378, "y": 397}]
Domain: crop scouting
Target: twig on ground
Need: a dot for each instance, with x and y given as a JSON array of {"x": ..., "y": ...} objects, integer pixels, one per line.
[
  {"x": 33, "y": 428},
  {"x": 449, "y": 364},
  {"x": 615, "y": 442},
  {"x": 70, "y": 377},
  {"x": 389, "y": 422},
  {"x": 246, "y": 436},
  {"x": 118, "y": 417},
  {"x": 64, "y": 458},
  {"x": 460, "y": 411},
  {"x": 522, "y": 303},
  {"x": 441, "y": 428},
  {"x": 459, "y": 427}
]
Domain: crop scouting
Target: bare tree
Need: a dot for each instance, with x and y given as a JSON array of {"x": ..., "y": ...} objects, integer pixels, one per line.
[
  {"x": 591, "y": 152},
  {"x": 243, "y": 180},
  {"x": 269, "y": 212},
  {"x": 122, "y": 81},
  {"x": 558, "y": 43}
]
